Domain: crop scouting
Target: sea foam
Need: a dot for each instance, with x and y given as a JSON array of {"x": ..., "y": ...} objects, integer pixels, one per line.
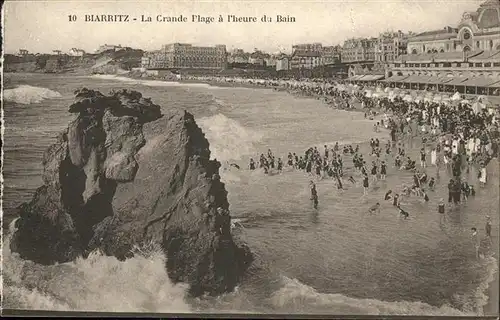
[
  {"x": 25, "y": 94},
  {"x": 98, "y": 283},
  {"x": 229, "y": 140}
]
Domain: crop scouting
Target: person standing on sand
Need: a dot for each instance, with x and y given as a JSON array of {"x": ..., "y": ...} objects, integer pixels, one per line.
[
  {"x": 314, "y": 194},
  {"x": 488, "y": 227},
  {"x": 442, "y": 216},
  {"x": 475, "y": 241},
  {"x": 365, "y": 185}
]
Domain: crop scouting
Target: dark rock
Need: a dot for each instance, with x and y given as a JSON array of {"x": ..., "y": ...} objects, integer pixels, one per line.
[{"x": 123, "y": 176}]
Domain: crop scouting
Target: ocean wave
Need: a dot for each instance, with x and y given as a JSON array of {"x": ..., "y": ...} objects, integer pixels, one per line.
[
  {"x": 25, "y": 94},
  {"x": 150, "y": 83},
  {"x": 297, "y": 297},
  {"x": 98, "y": 283},
  {"x": 229, "y": 140}
]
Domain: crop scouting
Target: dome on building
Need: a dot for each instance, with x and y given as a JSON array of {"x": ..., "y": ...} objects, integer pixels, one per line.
[{"x": 489, "y": 14}]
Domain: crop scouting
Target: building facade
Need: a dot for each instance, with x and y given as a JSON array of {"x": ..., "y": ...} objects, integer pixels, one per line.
[
  {"x": 23, "y": 52},
  {"x": 258, "y": 58},
  {"x": 476, "y": 31},
  {"x": 107, "y": 47},
  {"x": 331, "y": 55},
  {"x": 304, "y": 59},
  {"x": 238, "y": 56},
  {"x": 282, "y": 62},
  {"x": 359, "y": 50},
  {"x": 76, "y": 52},
  {"x": 315, "y": 47},
  {"x": 391, "y": 45},
  {"x": 458, "y": 59},
  {"x": 180, "y": 55}
]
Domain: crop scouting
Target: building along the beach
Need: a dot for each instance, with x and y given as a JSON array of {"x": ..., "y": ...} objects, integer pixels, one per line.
[
  {"x": 391, "y": 45},
  {"x": 75, "y": 52},
  {"x": 238, "y": 56},
  {"x": 359, "y": 50},
  {"x": 186, "y": 56},
  {"x": 282, "y": 62},
  {"x": 465, "y": 59},
  {"x": 107, "y": 47},
  {"x": 330, "y": 55}
]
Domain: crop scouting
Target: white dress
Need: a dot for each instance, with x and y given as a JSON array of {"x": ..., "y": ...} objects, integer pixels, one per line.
[
  {"x": 454, "y": 147},
  {"x": 433, "y": 157},
  {"x": 483, "y": 175}
]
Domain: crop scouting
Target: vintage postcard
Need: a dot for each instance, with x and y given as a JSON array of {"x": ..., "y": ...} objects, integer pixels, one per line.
[{"x": 245, "y": 158}]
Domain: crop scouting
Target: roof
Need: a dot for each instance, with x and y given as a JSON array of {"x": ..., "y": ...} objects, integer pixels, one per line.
[
  {"x": 370, "y": 77},
  {"x": 447, "y": 33},
  {"x": 259, "y": 55},
  {"x": 487, "y": 56},
  {"x": 356, "y": 77},
  {"x": 417, "y": 79},
  {"x": 439, "y": 80},
  {"x": 489, "y": 17},
  {"x": 306, "y": 53},
  {"x": 419, "y": 57},
  {"x": 481, "y": 81},
  {"x": 453, "y": 56},
  {"x": 395, "y": 79},
  {"x": 457, "y": 81}
]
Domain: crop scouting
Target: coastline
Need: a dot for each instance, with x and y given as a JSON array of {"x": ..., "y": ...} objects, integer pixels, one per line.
[{"x": 491, "y": 308}]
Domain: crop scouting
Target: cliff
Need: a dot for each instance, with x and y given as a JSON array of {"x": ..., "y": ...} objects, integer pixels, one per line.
[
  {"x": 105, "y": 62},
  {"x": 123, "y": 175}
]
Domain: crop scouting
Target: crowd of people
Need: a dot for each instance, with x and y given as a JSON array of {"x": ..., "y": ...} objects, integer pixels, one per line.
[{"x": 453, "y": 137}]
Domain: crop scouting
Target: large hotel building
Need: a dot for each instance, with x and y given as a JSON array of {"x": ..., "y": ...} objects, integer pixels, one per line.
[
  {"x": 183, "y": 56},
  {"x": 465, "y": 59}
]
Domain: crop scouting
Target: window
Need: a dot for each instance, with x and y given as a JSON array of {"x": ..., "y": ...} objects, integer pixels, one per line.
[
  {"x": 466, "y": 35},
  {"x": 478, "y": 44},
  {"x": 466, "y": 49},
  {"x": 414, "y": 51},
  {"x": 491, "y": 44}
]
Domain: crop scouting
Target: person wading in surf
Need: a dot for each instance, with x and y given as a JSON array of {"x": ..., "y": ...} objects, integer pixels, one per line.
[{"x": 314, "y": 194}]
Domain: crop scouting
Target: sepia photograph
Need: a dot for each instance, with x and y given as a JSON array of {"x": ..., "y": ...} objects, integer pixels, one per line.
[{"x": 248, "y": 158}]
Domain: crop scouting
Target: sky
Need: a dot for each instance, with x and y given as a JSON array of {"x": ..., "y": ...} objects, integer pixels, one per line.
[{"x": 43, "y": 26}]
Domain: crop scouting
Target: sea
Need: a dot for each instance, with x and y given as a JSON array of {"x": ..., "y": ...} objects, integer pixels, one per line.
[{"x": 335, "y": 260}]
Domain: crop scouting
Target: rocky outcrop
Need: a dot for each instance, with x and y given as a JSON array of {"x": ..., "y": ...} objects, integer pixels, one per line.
[{"x": 121, "y": 176}]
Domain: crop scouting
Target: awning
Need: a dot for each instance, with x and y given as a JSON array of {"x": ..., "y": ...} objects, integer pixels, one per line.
[
  {"x": 364, "y": 78},
  {"x": 416, "y": 79},
  {"x": 418, "y": 58},
  {"x": 355, "y": 78},
  {"x": 453, "y": 56},
  {"x": 372, "y": 77},
  {"x": 456, "y": 81},
  {"x": 480, "y": 81},
  {"x": 395, "y": 79},
  {"x": 486, "y": 56},
  {"x": 439, "y": 80}
]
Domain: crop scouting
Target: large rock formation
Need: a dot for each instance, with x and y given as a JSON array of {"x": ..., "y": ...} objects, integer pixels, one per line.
[{"x": 123, "y": 175}]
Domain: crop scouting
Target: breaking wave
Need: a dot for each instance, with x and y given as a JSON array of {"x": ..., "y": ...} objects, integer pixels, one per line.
[
  {"x": 149, "y": 83},
  {"x": 300, "y": 298},
  {"x": 229, "y": 140},
  {"x": 25, "y": 94},
  {"x": 98, "y": 283}
]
